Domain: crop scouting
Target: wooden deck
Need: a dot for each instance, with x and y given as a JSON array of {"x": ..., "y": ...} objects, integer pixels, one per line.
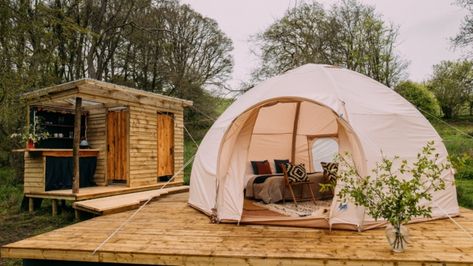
[
  {"x": 96, "y": 192},
  {"x": 167, "y": 231}
]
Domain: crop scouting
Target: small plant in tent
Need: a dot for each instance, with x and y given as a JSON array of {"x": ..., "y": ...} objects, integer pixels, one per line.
[{"x": 396, "y": 191}]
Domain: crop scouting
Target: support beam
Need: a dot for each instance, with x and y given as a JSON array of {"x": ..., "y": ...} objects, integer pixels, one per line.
[
  {"x": 30, "y": 205},
  {"x": 54, "y": 207},
  {"x": 75, "y": 146},
  {"x": 294, "y": 132}
]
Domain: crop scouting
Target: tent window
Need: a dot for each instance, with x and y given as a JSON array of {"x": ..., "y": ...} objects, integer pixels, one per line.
[{"x": 323, "y": 150}]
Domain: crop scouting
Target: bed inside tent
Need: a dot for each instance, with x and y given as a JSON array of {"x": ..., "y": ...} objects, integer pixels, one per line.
[{"x": 294, "y": 129}]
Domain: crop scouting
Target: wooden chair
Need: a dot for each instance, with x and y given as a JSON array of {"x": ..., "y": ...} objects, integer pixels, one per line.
[{"x": 289, "y": 184}]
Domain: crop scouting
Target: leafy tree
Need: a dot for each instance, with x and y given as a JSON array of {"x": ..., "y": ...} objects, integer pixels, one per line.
[
  {"x": 349, "y": 34},
  {"x": 159, "y": 46},
  {"x": 420, "y": 96},
  {"x": 465, "y": 36},
  {"x": 452, "y": 84}
]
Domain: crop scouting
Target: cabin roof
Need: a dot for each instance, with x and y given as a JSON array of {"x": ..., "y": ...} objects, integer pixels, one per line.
[{"x": 96, "y": 92}]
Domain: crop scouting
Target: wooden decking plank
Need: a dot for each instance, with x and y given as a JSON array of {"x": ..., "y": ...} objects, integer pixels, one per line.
[
  {"x": 97, "y": 191},
  {"x": 117, "y": 203},
  {"x": 167, "y": 231}
]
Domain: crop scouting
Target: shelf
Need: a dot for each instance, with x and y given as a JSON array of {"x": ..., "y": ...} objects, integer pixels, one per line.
[
  {"x": 63, "y": 152},
  {"x": 58, "y": 125},
  {"x": 58, "y": 138}
]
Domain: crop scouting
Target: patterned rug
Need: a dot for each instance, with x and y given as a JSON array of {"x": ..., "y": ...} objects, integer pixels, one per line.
[{"x": 306, "y": 208}]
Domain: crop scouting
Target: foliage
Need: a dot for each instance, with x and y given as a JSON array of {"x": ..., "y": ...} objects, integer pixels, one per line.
[
  {"x": 16, "y": 224},
  {"x": 452, "y": 84},
  {"x": 462, "y": 163},
  {"x": 465, "y": 36},
  {"x": 189, "y": 150},
  {"x": 34, "y": 132},
  {"x": 458, "y": 139},
  {"x": 396, "y": 188},
  {"x": 349, "y": 34},
  {"x": 465, "y": 192},
  {"x": 159, "y": 46},
  {"x": 419, "y": 96}
]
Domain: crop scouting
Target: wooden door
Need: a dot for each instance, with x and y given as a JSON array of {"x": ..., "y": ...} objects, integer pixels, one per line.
[
  {"x": 117, "y": 145},
  {"x": 165, "y": 132}
]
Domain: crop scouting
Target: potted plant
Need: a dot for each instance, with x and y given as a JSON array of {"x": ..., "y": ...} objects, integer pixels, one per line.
[
  {"x": 397, "y": 191},
  {"x": 31, "y": 134}
]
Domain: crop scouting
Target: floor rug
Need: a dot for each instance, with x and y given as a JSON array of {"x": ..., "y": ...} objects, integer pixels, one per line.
[{"x": 303, "y": 209}]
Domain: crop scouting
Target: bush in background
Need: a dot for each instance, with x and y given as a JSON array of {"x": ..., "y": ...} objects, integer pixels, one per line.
[{"x": 419, "y": 96}]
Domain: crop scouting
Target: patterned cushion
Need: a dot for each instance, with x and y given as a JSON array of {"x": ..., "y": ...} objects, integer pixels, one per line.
[
  {"x": 330, "y": 170},
  {"x": 277, "y": 164},
  {"x": 261, "y": 167},
  {"x": 296, "y": 173}
]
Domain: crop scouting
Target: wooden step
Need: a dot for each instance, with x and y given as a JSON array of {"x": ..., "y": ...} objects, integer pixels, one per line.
[{"x": 119, "y": 203}]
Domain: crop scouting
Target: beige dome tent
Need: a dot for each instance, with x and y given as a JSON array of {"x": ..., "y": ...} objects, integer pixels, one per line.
[{"x": 338, "y": 107}]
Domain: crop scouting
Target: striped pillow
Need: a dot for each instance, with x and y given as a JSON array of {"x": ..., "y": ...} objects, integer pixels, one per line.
[{"x": 330, "y": 170}]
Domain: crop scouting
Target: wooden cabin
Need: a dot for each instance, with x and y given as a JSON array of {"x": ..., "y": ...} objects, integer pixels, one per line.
[{"x": 132, "y": 140}]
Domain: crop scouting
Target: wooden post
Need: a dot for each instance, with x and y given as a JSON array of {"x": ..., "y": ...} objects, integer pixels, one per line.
[
  {"x": 294, "y": 133},
  {"x": 54, "y": 207},
  {"x": 30, "y": 205},
  {"x": 76, "y": 145}
]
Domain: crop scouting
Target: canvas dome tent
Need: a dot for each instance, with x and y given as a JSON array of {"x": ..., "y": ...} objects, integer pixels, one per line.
[{"x": 299, "y": 115}]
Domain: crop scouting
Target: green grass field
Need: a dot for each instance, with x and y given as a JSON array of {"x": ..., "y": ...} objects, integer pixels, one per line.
[{"x": 458, "y": 138}]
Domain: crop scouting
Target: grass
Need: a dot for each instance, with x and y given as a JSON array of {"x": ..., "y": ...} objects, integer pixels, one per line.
[
  {"x": 190, "y": 148},
  {"x": 16, "y": 224},
  {"x": 458, "y": 138},
  {"x": 465, "y": 192}
]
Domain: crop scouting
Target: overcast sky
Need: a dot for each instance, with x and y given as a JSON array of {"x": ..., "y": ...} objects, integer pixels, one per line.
[{"x": 425, "y": 28}]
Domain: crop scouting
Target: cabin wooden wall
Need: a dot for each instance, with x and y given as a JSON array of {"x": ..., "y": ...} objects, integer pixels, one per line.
[
  {"x": 143, "y": 138},
  {"x": 34, "y": 174},
  {"x": 97, "y": 136},
  {"x": 179, "y": 143},
  {"x": 143, "y": 144}
]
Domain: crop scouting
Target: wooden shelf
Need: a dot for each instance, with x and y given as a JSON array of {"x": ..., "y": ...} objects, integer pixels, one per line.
[
  {"x": 62, "y": 152},
  {"x": 58, "y": 125}
]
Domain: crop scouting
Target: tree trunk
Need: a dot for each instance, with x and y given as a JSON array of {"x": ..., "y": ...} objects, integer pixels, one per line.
[{"x": 447, "y": 112}]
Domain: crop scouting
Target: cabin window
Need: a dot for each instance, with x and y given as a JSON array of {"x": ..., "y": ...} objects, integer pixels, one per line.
[{"x": 323, "y": 150}]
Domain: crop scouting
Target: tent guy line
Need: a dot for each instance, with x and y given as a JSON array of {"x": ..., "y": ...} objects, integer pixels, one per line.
[
  {"x": 140, "y": 208},
  {"x": 149, "y": 199},
  {"x": 455, "y": 128}
]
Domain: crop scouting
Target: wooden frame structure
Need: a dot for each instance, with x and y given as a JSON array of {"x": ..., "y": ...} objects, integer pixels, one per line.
[
  {"x": 137, "y": 137},
  {"x": 288, "y": 184},
  {"x": 169, "y": 232}
]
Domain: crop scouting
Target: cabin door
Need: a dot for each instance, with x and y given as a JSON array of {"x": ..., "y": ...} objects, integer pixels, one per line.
[
  {"x": 117, "y": 145},
  {"x": 165, "y": 133}
]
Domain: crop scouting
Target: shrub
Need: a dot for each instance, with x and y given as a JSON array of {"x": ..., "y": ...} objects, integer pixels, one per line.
[
  {"x": 419, "y": 96},
  {"x": 463, "y": 165},
  {"x": 465, "y": 192}
]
